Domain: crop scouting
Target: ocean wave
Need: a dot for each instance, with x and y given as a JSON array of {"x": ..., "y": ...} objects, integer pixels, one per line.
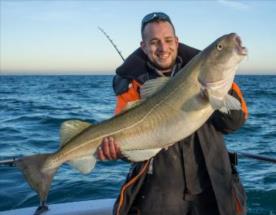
[{"x": 33, "y": 108}]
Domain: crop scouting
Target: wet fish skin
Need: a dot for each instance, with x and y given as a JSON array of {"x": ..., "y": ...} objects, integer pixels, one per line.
[{"x": 166, "y": 115}]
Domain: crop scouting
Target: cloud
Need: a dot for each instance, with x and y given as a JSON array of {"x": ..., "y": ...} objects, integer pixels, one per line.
[{"x": 234, "y": 4}]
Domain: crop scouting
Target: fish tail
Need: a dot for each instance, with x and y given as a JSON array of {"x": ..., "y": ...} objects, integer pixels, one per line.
[{"x": 39, "y": 179}]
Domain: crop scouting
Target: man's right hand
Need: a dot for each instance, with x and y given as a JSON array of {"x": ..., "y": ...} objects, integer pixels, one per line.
[{"x": 108, "y": 150}]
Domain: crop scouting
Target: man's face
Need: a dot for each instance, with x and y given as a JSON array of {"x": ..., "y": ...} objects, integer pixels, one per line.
[{"x": 160, "y": 44}]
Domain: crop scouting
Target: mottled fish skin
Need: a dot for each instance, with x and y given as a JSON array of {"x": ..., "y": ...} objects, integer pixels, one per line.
[
  {"x": 171, "y": 114},
  {"x": 177, "y": 109}
]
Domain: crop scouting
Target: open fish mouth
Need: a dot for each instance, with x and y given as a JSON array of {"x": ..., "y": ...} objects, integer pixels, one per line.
[{"x": 240, "y": 49}]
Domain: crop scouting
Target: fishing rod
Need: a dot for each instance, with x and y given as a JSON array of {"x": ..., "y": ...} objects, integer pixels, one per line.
[
  {"x": 11, "y": 162},
  {"x": 111, "y": 41},
  {"x": 241, "y": 154},
  {"x": 257, "y": 157}
]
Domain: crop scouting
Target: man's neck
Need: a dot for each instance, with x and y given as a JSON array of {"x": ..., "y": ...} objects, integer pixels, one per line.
[{"x": 163, "y": 72}]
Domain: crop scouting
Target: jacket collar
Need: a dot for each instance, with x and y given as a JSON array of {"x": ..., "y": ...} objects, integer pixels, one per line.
[{"x": 136, "y": 65}]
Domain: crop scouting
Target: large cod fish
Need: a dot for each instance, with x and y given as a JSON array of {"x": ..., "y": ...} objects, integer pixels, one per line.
[{"x": 170, "y": 110}]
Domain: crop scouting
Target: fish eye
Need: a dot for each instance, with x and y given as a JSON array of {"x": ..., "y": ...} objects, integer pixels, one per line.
[{"x": 219, "y": 46}]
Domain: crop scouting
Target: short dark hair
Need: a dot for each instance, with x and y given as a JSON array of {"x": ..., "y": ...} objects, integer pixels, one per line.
[{"x": 155, "y": 17}]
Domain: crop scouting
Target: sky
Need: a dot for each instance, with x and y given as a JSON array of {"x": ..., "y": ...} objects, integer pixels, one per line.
[{"x": 62, "y": 36}]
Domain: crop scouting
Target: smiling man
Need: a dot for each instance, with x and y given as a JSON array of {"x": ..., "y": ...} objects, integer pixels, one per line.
[
  {"x": 160, "y": 45},
  {"x": 194, "y": 176}
]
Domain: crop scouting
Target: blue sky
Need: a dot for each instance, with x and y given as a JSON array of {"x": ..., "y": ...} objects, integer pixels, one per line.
[{"x": 61, "y": 36}]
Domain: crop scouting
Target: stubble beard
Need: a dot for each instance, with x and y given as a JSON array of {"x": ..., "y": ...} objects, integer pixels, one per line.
[{"x": 164, "y": 68}]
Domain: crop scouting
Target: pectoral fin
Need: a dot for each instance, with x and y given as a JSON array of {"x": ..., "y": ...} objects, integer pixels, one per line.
[
  {"x": 226, "y": 104},
  {"x": 230, "y": 103}
]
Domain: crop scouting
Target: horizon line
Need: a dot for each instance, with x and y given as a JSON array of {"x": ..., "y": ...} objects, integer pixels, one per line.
[{"x": 97, "y": 73}]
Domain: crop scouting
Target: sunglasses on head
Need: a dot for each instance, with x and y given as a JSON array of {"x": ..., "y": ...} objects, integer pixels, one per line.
[{"x": 155, "y": 16}]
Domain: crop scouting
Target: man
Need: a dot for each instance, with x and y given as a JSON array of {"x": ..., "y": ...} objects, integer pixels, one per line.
[{"x": 194, "y": 176}]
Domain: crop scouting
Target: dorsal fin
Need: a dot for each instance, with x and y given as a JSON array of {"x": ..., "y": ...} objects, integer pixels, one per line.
[
  {"x": 130, "y": 105},
  {"x": 152, "y": 86},
  {"x": 71, "y": 128}
]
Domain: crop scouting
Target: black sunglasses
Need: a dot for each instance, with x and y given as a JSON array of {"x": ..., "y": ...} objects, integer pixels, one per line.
[{"x": 153, "y": 17}]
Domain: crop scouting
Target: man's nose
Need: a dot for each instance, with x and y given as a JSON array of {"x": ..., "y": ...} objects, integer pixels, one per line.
[{"x": 163, "y": 46}]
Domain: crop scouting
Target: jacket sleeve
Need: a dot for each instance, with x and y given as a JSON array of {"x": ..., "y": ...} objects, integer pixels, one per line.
[
  {"x": 229, "y": 122},
  {"x": 126, "y": 91}
]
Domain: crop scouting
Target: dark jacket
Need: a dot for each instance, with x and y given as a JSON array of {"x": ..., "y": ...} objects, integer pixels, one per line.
[{"x": 211, "y": 161}]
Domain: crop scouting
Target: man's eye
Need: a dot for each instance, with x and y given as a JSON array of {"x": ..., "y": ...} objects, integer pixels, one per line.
[{"x": 153, "y": 42}]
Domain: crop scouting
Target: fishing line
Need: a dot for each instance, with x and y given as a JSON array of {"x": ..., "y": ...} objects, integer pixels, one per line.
[{"x": 111, "y": 41}]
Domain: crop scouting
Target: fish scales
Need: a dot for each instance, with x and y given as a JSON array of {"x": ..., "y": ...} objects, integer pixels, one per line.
[{"x": 172, "y": 112}]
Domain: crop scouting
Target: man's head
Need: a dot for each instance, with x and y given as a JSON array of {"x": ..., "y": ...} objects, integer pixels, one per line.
[{"x": 159, "y": 41}]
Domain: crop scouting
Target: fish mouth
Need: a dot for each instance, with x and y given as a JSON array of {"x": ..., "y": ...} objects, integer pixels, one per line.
[{"x": 240, "y": 49}]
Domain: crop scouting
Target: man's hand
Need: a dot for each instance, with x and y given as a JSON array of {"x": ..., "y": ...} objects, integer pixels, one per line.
[{"x": 108, "y": 150}]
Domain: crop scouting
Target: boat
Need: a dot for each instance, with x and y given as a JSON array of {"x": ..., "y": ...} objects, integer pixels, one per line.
[{"x": 91, "y": 207}]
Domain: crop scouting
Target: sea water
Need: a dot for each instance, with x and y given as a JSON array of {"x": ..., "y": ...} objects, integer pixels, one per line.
[{"x": 32, "y": 109}]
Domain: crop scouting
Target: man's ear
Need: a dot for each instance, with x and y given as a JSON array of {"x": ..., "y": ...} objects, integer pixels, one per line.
[
  {"x": 143, "y": 46},
  {"x": 177, "y": 41}
]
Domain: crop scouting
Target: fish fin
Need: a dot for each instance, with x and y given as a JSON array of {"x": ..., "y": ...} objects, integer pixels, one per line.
[
  {"x": 71, "y": 128},
  {"x": 152, "y": 86},
  {"x": 130, "y": 105},
  {"x": 84, "y": 164},
  {"x": 148, "y": 89},
  {"x": 230, "y": 103},
  {"x": 226, "y": 104},
  {"x": 140, "y": 154},
  {"x": 216, "y": 102},
  {"x": 40, "y": 181}
]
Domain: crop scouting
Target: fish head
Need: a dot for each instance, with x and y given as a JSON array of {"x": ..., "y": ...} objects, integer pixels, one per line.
[{"x": 220, "y": 61}]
